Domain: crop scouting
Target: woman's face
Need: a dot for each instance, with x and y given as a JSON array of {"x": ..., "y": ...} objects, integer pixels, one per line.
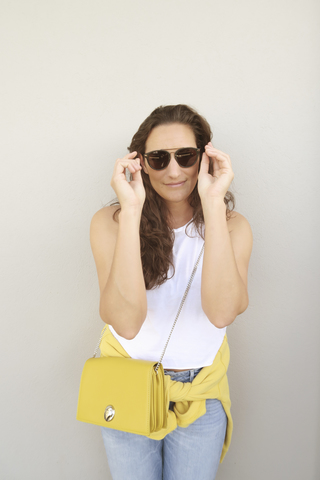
[{"x": 174, "y": 184}]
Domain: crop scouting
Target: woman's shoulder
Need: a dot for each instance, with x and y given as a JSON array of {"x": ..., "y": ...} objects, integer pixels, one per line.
[
  {"x": 240, "y": 233},
  {"x": 237, "y": 222},
  {"x": 104, "y": 221},
  {"x": 106, "y": 214},
  {"x": 103, "y": 235}
]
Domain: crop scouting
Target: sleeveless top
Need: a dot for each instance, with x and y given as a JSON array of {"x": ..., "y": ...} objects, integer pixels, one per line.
[{"x": 195, "y": 341}]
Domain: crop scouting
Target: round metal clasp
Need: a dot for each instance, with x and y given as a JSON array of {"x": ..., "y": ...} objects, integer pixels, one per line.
[{"x": 109, "y": 413}]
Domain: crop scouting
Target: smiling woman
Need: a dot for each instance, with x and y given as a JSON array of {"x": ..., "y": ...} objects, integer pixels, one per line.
[
  {"x": 173, "y": 183},
  {"x": 176, "y": 205}
]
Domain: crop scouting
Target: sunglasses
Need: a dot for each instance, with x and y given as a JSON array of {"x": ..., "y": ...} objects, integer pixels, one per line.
[{"x": 160, "y": 159}]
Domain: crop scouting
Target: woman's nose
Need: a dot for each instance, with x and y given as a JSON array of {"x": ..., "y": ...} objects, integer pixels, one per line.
[{"x": 173, "y": 167}]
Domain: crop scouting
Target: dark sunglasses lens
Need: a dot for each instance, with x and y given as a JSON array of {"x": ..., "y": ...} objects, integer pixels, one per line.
[
  {"x": 158, "y": 159},
  {"x": 186, "y": 157}
]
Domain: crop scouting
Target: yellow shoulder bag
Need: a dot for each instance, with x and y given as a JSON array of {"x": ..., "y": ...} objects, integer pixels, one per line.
[{"x": 123, "y": 393}]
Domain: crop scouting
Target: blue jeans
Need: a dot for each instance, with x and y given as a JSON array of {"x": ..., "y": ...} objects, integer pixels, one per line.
[{"x": 184, "y": 454}]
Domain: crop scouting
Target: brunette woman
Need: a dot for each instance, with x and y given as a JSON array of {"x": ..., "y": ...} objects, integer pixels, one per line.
[{"x": 145, "y": 247}]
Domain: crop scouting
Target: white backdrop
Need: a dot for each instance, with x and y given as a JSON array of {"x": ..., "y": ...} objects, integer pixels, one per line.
[{"x": 78, "y": 78}]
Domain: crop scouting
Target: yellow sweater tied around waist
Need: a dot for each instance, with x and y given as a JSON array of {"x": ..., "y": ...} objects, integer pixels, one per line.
[{"x": 189, "y": 398}]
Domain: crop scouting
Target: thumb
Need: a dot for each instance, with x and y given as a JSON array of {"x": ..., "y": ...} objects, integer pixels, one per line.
[
  {"x": 204, "y": 167},
  {"x": 136, "y": 176}
]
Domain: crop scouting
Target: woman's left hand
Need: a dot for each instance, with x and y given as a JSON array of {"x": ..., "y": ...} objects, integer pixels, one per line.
[{"x": 215, "y": 186}]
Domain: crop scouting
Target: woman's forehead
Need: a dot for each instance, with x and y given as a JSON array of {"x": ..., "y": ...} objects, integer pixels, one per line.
[{"x": 170, "y": 137}]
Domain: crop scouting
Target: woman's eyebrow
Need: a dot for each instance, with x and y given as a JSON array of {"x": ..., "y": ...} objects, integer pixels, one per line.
[{"x": 173, "y": 148}]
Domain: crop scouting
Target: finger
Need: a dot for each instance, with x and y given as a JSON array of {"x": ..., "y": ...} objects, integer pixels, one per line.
[
  {"x": 216, "y": 166},
  {"x": 133, "y": 168},
  {"x": 131, "y": 163},
  {"x": 212, "y": 149},
  {"x": 132, "y": 156},
  {"x": 134, "y": 153},
  {"x": 216, "y": 149},
  {"x": 205, "y": 162},
  {"x": 221, "y": 157},
  {"x": 136, "y": 176}
]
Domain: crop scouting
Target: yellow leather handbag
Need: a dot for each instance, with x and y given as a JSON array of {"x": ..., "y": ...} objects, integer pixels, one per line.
[{"x": 123, "y": 393}]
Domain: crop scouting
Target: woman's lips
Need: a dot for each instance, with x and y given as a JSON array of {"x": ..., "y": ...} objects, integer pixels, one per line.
[{"x": 178, "y": 184}]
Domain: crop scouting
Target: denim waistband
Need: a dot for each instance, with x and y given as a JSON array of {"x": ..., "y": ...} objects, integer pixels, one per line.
[{"x": 183, "y": 376}]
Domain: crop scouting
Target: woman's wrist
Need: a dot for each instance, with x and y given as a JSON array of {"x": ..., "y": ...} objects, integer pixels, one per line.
[
  {"x": 130, "y": 214},
  {"x": 213, "y": 206}
]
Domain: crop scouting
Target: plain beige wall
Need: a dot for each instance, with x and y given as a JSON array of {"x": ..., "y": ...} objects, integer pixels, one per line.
[{"x": 78, "y": 78}]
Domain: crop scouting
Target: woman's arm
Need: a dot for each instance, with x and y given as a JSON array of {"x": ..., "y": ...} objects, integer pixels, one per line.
[
  {"x": 224, "y": 292},
  {"x": 228, "y": 245},
  {"x": 116, "y": 250}
]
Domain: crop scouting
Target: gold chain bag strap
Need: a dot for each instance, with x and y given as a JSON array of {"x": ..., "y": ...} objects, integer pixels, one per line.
[{"x": 123, "y": 393}]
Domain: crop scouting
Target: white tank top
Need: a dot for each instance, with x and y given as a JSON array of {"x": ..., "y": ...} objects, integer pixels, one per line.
[{"x": 195, "y": 341}]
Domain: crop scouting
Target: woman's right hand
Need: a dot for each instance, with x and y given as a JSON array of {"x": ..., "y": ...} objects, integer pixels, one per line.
[{"x": 130, "y": 194}]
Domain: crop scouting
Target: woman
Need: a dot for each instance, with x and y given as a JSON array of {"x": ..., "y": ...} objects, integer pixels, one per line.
[{"x": 145, "y": 248}]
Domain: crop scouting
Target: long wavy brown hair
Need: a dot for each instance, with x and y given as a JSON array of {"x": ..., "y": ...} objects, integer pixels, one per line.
[{"x": 156, "y": 237}]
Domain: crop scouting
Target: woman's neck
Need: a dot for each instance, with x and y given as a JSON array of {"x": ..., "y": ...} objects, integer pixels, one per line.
[{"x": 179, "y": 215}]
